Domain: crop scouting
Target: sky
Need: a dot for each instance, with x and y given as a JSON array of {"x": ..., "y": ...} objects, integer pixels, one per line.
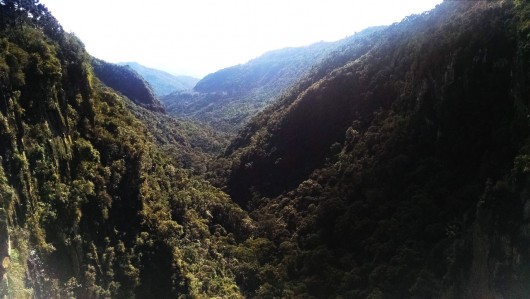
[{"x": 198, "y": 37}]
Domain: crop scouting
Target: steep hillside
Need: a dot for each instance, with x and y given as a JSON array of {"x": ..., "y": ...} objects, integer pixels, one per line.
[
  {"x": 309, "y": 139},
  {"x": 128, "y": 82},
  {"x": 228, "y": 98},
  {"x": 191, "y": 145},
  {"x": 163, "y": 83},
  {"x": 397, "y": 167},
  {"x": 402, "y": 173},
  {"x": 91, "y": 206}
]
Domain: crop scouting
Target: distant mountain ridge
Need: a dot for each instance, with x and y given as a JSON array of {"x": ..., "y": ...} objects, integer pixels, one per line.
[
  {"x": 228, "y": 98},
  {"x": 163, "y": 83}
]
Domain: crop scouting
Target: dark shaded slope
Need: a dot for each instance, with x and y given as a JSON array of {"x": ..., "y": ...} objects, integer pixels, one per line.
[
  {"x": 289, "y": 139},
  {"x": 425, "y": 193},
  {"x": 127, "y": 81},
  {"x": 90, "y": 206}
]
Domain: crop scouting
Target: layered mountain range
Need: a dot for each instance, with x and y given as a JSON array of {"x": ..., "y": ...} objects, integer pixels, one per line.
[{"x": 228, "y": 98}]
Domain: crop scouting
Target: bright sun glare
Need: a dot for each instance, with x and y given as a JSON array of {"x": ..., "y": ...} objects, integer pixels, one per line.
[{"x": 197, "y": 37}]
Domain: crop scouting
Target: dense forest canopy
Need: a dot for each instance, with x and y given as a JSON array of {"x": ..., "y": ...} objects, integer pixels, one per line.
[
  {"x": 228, "y": 98},
  {"x": 400, "y": 173},
  {"x": 395, "y": 165},
  {"x": 128, "y": 82}
]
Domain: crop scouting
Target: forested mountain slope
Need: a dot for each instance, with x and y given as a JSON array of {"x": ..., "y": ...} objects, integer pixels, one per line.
[
  {"x": 396, "y": 167},
  {"x": 402, "y": 172},
  {"x": 228, "y": 98},
  {"x": 91, "y": 206},
  {"x": 128, "y": 82},
  {"x": 162, "y": 82}
]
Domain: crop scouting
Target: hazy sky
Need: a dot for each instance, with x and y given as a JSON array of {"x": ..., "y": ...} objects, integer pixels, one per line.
[{"x": 197, "y": 37}]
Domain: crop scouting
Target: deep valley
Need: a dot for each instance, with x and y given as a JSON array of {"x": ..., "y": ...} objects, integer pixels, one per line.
[{"x": 394, "y": 163}]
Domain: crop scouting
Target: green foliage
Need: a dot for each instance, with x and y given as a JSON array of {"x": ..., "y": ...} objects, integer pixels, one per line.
[
  {"x": 396, "y": 168},
  {"x": 106, "y": 211},
  {"x": 192, "y": 145},
  {"x": 228, "y": 98},
  {"x": 306, "y": 122},
  {"x": 397, "y": 172},
  {"x": 128, "y": 82}
]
